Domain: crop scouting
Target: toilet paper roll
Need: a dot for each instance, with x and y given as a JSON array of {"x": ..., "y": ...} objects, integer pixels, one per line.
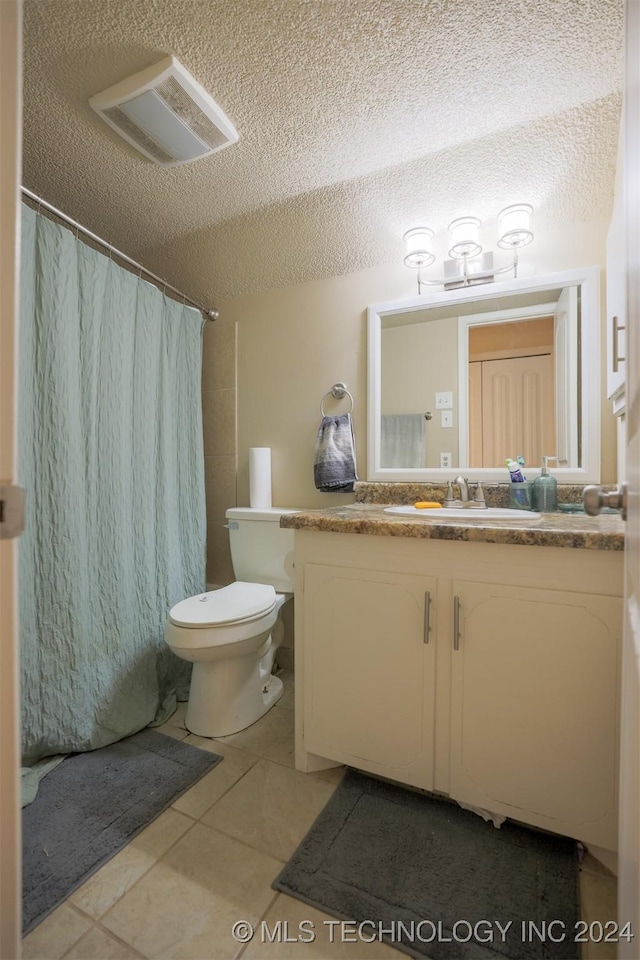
[{"x": 260, "y": 477}]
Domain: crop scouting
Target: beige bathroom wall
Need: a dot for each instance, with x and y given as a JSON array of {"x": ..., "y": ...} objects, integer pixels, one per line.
[{"x": 294, "y": 343}]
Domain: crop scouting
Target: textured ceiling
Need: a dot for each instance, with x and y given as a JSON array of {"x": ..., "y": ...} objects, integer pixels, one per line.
[{"x": 357, "y": 119}]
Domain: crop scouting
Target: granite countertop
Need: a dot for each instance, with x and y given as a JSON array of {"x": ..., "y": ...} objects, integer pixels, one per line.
[{"x": 553, "y": 530}]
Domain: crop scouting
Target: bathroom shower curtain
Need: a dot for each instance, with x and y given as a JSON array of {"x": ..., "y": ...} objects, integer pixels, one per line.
[{"x": 111, "y": 456}]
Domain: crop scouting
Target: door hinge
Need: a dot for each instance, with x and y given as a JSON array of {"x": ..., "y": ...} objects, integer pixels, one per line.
[{"x": 11, "y": 511}]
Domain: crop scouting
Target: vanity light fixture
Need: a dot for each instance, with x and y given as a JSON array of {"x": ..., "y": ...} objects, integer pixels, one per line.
[{"x": 468, "y": 264}]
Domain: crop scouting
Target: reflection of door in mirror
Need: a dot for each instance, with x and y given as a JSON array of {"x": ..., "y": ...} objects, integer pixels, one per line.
[{"x": 511, "y": 392}]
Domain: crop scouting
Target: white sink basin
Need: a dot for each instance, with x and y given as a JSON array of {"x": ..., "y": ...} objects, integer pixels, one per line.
[{"x": 466, "y": 513}]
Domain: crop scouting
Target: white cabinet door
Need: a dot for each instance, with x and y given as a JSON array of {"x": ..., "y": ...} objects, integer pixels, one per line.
[
  {"x": 534, "y": 707},
  {"x": 369, "y": 670},
  {"x": 617, "y": 289}
]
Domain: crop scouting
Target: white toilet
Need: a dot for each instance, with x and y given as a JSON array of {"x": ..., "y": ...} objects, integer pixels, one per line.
[{"x": 231, "y": 635}]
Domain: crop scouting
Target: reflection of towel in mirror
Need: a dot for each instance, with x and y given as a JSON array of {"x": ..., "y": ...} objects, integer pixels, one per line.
[
  {"x": 402, "y": 440},
  {"x": 334, "y": 461}
]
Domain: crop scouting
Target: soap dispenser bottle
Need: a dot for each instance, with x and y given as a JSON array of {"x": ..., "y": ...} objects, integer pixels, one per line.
[{"x": 545, "y": 489}]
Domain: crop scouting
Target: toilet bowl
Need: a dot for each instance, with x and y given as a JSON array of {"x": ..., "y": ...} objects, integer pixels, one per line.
[{"x": 231, "y": 635}]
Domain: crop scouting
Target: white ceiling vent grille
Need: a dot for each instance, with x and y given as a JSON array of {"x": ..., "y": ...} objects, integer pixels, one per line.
[{"x": 166, "y": 115}]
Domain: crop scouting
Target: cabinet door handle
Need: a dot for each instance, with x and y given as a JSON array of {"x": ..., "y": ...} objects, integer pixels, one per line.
[
  {"x": 617, "y": 327},
  {"x": 427, "y": 613},
  {"x": 456, "y": 623}
]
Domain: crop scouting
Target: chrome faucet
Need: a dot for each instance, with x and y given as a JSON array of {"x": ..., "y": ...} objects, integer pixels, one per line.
[{"x": 463, "y": 484}]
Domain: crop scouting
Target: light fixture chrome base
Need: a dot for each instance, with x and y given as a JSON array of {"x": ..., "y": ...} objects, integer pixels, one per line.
[{"x": 468, "y": 272}]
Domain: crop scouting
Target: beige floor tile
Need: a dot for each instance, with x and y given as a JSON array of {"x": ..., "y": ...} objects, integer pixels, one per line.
[
  {"x": 203, "y": 794},
  {"x": 55, "y": 935},
  {"x": 185, "y": 906},
  {"x": 288, "y": 918},
  {"x": 598, "y": 895},
  {"x": 283, "y": 752},
  {"x": 281, "y": 749},
  {"x": 274, "y": 728},
  {"x": 169, "y": 730},
  {"x": 97, "y": 944},
  {"x": 592, "y": 865},
  {"x": 331, "y": 775},
  {"x": 112, "y": 881},
  {"x": 271, "y": 808}
]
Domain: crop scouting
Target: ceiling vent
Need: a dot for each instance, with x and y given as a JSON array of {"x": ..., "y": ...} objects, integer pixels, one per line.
[{"x": 166, "y": 115}]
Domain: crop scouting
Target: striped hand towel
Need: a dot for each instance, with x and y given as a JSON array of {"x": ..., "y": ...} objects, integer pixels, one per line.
[{"x": 334, "y": 461}]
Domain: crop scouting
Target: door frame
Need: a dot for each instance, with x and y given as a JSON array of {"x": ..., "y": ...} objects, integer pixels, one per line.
[
  {"x": 629, "y": 835},
  {"x": 10, "y": 165}
]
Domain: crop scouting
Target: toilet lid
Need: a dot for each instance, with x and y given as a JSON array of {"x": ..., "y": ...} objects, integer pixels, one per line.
[{"x": 238, "y": 601}]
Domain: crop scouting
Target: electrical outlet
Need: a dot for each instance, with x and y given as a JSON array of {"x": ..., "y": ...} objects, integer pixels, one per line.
[
  {"x": 444, "y": 401},
  {"x": 445, "y": 459},
  {"x": 446, "y": 418}
]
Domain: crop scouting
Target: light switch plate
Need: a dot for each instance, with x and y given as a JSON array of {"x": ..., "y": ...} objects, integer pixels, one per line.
[
  {"x": 444, "y": 401},
  {"x": 446, "y": 418}
]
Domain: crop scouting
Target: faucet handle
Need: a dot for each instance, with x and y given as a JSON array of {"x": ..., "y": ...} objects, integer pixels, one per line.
[
  {"x": 449, "y": 499},
  {"x": 478, "y": 497}
]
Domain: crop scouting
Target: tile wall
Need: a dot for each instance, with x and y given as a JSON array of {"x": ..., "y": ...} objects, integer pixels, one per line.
[{"x": 220, "y": 443}]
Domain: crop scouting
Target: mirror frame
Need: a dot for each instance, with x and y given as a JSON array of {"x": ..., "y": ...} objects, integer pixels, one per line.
[{"x": 588, "y": 279}]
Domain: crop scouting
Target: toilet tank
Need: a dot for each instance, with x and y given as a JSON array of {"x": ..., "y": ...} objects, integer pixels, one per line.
[{"x": 261, "y": 550}]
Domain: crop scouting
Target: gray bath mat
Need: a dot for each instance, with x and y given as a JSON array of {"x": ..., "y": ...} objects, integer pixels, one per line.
[
  {"x": 92, "y": 805},
  {"x": 439, "y": 880}
]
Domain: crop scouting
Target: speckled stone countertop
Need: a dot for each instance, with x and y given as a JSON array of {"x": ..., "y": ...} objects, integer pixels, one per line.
[
  {"x": 496, "y": 494},
  {"x": 553, "y": 530}
]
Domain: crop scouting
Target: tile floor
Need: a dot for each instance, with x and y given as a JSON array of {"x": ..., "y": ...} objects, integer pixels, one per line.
[{"x": 208, "y": 861}]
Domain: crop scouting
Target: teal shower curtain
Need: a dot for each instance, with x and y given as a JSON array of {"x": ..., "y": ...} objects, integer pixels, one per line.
[{"x": 111, "y": 456}]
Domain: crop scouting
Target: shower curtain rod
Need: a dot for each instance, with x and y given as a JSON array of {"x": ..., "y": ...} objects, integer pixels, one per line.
[{"x": 207, "y": 313}]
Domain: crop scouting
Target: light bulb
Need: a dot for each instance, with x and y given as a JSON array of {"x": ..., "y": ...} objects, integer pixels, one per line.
[
  {"x": 514, "y": 226},
  {"x": 419, "y": 243},
  {"x": 463, "y": 237}
]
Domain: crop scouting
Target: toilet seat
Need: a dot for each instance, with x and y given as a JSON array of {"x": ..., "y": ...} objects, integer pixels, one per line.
[{"x": 239, "y": 602}]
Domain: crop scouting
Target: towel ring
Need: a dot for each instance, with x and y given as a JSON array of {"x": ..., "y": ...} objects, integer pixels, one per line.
[{"x": 338, "y": 392}]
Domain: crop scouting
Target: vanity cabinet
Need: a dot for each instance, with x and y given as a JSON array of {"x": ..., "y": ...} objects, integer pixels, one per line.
[{"x": 461, "y": 668}]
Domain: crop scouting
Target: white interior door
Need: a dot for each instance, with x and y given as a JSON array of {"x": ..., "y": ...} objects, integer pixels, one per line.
[
  {"x": 517, "y": 409},
  {"x": 629, "y": 845},
  {"x": 10, "y": 125}
]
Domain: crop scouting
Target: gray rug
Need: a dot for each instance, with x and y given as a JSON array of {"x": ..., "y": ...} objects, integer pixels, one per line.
[
  {"x": 437, "y": 878},
  {"x": 92, "y": 805}
]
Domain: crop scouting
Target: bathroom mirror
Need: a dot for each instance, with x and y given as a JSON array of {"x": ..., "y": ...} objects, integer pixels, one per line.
[{"x": 461, "y": 380}]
